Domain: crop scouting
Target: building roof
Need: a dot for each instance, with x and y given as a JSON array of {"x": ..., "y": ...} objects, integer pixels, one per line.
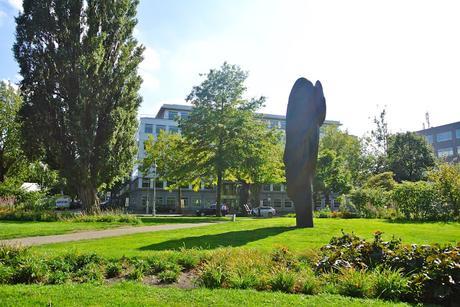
[
  {"x": 431, "y": 129},
  {"x": 183, "y": 107}
]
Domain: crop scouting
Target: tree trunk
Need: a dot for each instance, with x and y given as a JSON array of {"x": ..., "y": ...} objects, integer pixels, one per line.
[
  {"x": 179, "y": 203},
  {"x": 255, "y": 194},
  {"x": 89, "y": 199},
  {"x": 244, "y": 195},
  {"x": 219, "y": 193}
]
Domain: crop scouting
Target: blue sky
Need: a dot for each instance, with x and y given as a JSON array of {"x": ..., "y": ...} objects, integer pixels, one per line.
[{"x": 368, "y": 54}]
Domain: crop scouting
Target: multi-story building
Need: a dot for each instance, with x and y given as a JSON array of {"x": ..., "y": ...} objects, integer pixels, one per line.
[
  {"x": 445, "y": 140},
  {"x": 144, "y": 187}
]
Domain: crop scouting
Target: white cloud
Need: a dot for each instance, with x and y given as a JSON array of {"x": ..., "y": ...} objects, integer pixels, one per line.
[
  {"x": 2, "y": 17},
  {"x": 148, "y": 69},
  {"x": 17, "y": 4}
]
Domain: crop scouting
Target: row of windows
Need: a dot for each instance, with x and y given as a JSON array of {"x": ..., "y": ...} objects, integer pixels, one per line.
[
  {"x": 273, "y": 187},
  {"x": 447, "y": 152},
  {"x": 443, "y": 136},
  {"x": 174, "y": 115},
  {"x": 148, "y": 128}
]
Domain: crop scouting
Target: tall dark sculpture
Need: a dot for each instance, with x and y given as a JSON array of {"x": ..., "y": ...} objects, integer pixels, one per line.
[{"x": 306, "y": 112}]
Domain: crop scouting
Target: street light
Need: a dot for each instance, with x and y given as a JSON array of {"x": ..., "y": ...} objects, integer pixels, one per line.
[{"x": 154, "y": 211}]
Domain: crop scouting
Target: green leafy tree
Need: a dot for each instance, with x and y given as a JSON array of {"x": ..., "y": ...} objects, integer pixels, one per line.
[
  {"x": 170, "y": 154},
  {"x": 12, "y": 161},
  {"x": 332, "y": 175},
  {"x": 383, "y": 181},
  {"x": 80, "y": 87},
  {"x": 446, "y": 178},
  {"x": 409, "y": 156},
  {"x": 216, "y": 127},
  {"x": 351, "y": 149},
  {"x": 377, "y": 143},
  {"x": 261, "y": 159}
]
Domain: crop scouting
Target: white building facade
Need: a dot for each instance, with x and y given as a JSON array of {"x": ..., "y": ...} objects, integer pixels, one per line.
[{"x": 143, "y": 189}]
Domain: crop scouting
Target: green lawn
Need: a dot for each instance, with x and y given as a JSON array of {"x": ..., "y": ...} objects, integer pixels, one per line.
[
  {"x": 136, "y": 294},
  {"x": 18, "y": 229},
  {"x": 259, "y": 233}
]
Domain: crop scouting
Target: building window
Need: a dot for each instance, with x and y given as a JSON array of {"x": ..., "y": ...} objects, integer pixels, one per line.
[
  {"x": 283, "y": 124},
  {"x": 444, "y": 136},
  {"x": 159, "y": 201},
  {"x": 287, "y": 204},
  {"x": 160, "y": 128},
  {"x": 148, "y": 128},
  {"x": 274, "y": 124},
  {"x": 185, "y": 202},
  {"x": 445, "y": 152},
  {"x": 144, "y": 201},
  {"x": 158, "y": 184},
  {"x": 196, "y": 202},
  {"x": 173, "y": 129},
  {"x": 184, "y": 115},
  {"x": 171, "y": 201},
  {"x": 145, "y": 182},
  {"x": 457, "y": 133},
  {"x": 429, "y": 138},
  {"x": 277, "y": 203},
  {"x": 266, "y": 188},
  {"x": 277, "y": 187},
  {"x": 173, "y": 115},
  {"x": 458, "y": 150}
]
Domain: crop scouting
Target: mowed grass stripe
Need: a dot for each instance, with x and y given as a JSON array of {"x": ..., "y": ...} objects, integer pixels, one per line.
[
  {"x": 136, "y": 294},
  {"x": 261, "y": 234}
]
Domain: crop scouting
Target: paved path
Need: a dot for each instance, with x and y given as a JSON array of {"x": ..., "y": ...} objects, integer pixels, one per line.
[{"x": 96, "y": 234}]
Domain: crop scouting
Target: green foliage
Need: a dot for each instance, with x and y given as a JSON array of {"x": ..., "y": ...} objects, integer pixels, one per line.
[
  {"x": 323, "y": 213},
  {"x": 12, "y": 160},
  {"x": 283, "y": 280},
  {"x": 350, "y": 149},
  {"x": 212, "y": 275},
  {"x": 220, "y": 125},
  {"x": 409, "y": 156},
  {"x": 113, "y": 269},
  {"x": 80, "y": 89},
  {"x": 371, "y": 202},
  {"x": 354, "y": 283},
  {"x": 168, "y": 276},
  {"x": 420, "y": 201},
  {"x": 382, "y": 181},
  {"x": 332, "y": 174},
  {"x": 432, "y": 272},
  {"x": 446, "y": 179},
  {"x": 390, "y": 284}
]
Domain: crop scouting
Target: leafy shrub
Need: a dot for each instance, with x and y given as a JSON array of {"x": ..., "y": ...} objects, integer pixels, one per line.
[
  {"x": 169, "y": 276},
  {"x": 419, "y": 201},
  {"x": 323, "y": 213},
  {"x": 283, "y": 280},
  {"x": 91, "y": 272},
  {"x": 30, "y": 270},
  {"x": 136, "y": 274},
  {"x": 189, "y": 258},
  {"x": 243, "y": 278},
  {"x": 370, "y": 202},
  {"x": 446, "y": 179},
  {"x": 212, "y": 275},
  {"x": 6, "y": 274},
  {"x": 59, "y": 277},
  {"x": 384, "y": 181},
  {"x": 11, "y": 254},
  {"x": 390, "y": 284},
  {"x": 113, "y": 269},
  {"x": 354, "y": 283},
  {"x": 433, "y": 272}
]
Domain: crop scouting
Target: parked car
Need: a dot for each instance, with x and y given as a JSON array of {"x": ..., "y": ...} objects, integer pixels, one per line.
[
  {"x": 212, "y": 210},
  {"x": 264, "y": 211},
  {"x": 63, "y": 202}
]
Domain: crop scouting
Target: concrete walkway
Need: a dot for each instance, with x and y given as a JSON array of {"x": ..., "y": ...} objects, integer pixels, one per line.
[{"x": 96, "y": 234}]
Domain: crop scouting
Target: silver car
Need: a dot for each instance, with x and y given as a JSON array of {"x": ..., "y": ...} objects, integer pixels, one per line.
[{"x": 264, "y": 211}]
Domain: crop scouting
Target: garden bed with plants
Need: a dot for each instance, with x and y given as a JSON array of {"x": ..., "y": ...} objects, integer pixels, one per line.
[{"x": 348, "y": 265}]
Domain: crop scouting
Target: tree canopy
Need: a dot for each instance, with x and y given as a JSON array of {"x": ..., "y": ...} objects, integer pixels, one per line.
[
  {"x": 80, "y": 87},
  {"x": 409, "y": 156},
  {"x": 219, "y": 125}
]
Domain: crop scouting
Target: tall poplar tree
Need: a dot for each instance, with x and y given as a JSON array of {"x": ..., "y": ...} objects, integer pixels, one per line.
[{"x": 80, "y": 87}]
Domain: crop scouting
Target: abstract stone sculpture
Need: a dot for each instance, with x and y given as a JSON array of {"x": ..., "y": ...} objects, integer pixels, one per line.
[{"x": 306, "y": 112}]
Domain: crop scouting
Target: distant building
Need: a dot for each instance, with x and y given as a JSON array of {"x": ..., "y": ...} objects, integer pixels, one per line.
[
  {"x": 142, "y": 185},
  {"x": 445, "y": 140}
]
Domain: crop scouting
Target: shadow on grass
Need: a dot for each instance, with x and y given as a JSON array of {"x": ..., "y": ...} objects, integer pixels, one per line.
[
  {"x": 181, "y": 220},
  {"x": 226, "y": 239}
]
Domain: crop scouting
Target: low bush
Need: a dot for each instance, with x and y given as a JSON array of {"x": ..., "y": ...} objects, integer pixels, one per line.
[
  {"x": 168, "y": 276},
  {"x": 323, "y": 213},
  {"x": 212, "y": 276},
  {"x": 113, "y": 269},
  {"x": 283, "y": 280},
  {"x": 354, "y": 283},
  {"x": 390, "y": 284}
]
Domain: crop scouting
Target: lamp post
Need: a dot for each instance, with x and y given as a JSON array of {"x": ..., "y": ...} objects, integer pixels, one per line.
[{"x": 154, "y": 211}]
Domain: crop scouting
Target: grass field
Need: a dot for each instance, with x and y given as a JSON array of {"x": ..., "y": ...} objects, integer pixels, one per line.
[
  {"x": 136, "y": 294},
  {"x": 18, "y": 229},
  {"x": 262, "y": 234}
]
